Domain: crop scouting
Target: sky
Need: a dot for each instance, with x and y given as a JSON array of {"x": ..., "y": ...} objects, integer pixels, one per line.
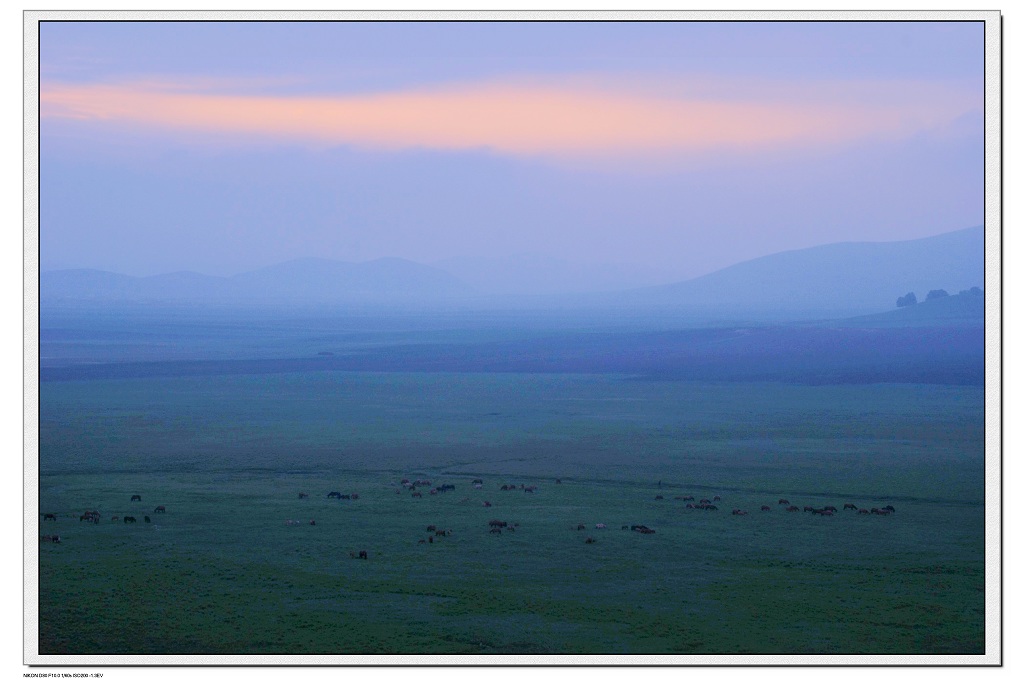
[{"x": 654, "y": 151}]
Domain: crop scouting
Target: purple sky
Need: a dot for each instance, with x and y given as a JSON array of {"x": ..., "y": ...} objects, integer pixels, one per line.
[{"x": 671, "y": 149}]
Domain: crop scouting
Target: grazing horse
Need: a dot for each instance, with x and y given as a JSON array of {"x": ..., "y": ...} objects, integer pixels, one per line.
[
  {"x": 362, "y": 555},
  {"x": 580, "y": 527},
  {"x": 890, "y": 508},
  {"x": 792, "y": 508},
  {"x": 487, "y": 503},
  {"x": 115, "y": 518},
  {"x": 160, "y": 508},
  {"x": 589, "y": 540},
  {"x": 849, "y": 506},
  {"x": 765, "y": 508},
  {"x": 496, "y": 530},
  {"x": 808, "y": 508},
  {"x": 50, "y": 538},
  {"x": 717, "y": 498},
  {"x": 136, "y": 499},
  {"x": 739, "y": 512},
  {"x": 417, "y": 494},
  {"x": 49, "y": 515},
  {"x": 147, "y": 519},
  {"x": 498, "y": 523},
  {"x": 783, "y": 501},
  {"x": 334, "y": 494},
  {"x": 129, "y": 520},
  {"x": 659, "y": 497},
  {"x": 687, "y": 497},
  {"x": 303, "y": 495}
]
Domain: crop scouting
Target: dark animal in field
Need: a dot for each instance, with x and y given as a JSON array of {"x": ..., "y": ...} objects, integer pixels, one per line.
[
  {"x": 689, "y": 506},
  {"x": 830, "y": 508},
  {"x": 765, "y": 508},
  {"x": 890, "y": 508},
  {"x": 334, "y": 494},
  {"x": 792, "y": 508},
  {"x": 687, "y": 497},
  {"x": 580, "y": 527},
  {"x": 862, "y": 511},
  {"x": 303, "y": 495},
  {"x": 115, "y": 518},
  {"x": 446, "y": 487},
  {"x": 478, "y": 481},
  {"x": 54, "y": 538},
  {"x": 506, "y": 487},
  {"x": 824, "y": 512},
  {"x": 497, "y": 522},
  {"x": 160, "y": 508},
  {"x": 146, "y": 518},
  {"x": 95, "y": 519},
  {"x": 354, "y": 496},
  {"x": 129, "y": 520},
  {"x": 590, "y": 540},
  {"x": 433, "y": 491},
  {"x": 717, "y": 498},
  {"x": 362, "y": 555},
  {"x": 530, "y": 489},
  {"x": 558, "y": 481},
  {"x": 487, "y": 503},
  {"x": 431, "y": 527},
  {"x": 136, "y": 499},
  {"x": 644, "y": 529},
  {"x": 709, "y": 507},
  {"x": 417, "y": 494},
  {"x": 849, "y": 506},
  {"x": 346, "y": 496},
  {"x": 783, "y": 501},
  {"x": 49, "y": 515},
  {"x": 625, "y": 527},
  {"x": 808, "y": 508},
  {"x": 312, "y": 522},
  {"x": 705, "y": 501},
  {"x": 496, "y": 530},
  {"x": 659, "y": 497},
  {"x": 739, "y": 512}
]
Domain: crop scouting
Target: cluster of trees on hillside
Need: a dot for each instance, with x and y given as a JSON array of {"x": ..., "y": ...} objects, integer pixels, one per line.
[{"x": 911, "y": 299}]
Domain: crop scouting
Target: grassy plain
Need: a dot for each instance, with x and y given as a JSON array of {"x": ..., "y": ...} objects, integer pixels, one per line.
[{"x": 221, "y": 572}]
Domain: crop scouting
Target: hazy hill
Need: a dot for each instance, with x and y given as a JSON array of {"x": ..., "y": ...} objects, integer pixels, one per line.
[
  {"x": 310, "y": 280},
  {"x": 839, "y": 277}
]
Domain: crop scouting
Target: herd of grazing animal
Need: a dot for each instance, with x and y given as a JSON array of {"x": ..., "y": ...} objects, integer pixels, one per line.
[{"x": 495, "y": 526}]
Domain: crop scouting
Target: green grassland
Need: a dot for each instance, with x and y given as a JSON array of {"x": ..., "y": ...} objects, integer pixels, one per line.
[{"x": 222, "y": 572}]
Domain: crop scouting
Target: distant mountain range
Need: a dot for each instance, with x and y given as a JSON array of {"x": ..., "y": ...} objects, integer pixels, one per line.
[
  {"x": 308, "y": 280},
  {"x": 839, "y": 279},
  {"x": 865, "y": 277}
]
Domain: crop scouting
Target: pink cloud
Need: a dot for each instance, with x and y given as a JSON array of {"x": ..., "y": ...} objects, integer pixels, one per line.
[{"x": 574, "y": 119}]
